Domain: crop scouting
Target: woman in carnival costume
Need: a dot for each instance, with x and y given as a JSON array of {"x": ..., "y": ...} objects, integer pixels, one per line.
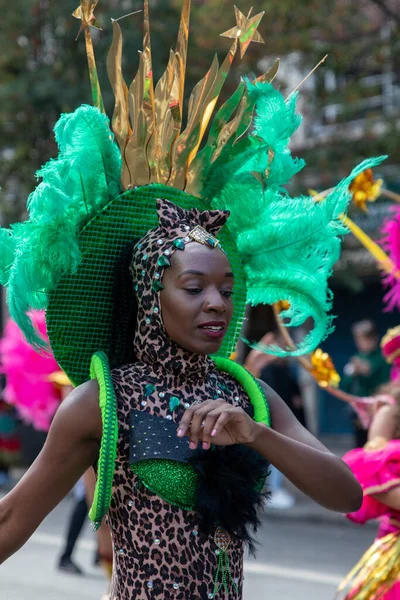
[
  {"x": 135, "y": 253},
  {"x": 377, "y": 467}
]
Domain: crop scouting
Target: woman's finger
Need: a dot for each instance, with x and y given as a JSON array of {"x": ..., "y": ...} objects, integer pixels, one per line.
[
  {"x": 200, "y": 417},
  {"x": 184, "y": 425},
  {"x": 196, "y": 426},
  {"x": 215, "y": 422},
  {"x": 209, "y": 425},
  {"x": 220, "y": 423}
]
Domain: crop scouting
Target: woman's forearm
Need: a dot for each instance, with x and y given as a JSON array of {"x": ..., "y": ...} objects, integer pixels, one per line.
[
  {"x": 319, "y": 474},
  {"x": 13, "y": 532},
  {"x": 391, "y": 498}
]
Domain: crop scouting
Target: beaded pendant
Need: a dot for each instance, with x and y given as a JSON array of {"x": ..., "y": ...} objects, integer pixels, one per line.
[{"x": 223, "y": 575}]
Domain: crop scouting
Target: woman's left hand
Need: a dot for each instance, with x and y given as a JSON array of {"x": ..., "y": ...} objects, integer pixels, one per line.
[{"x": 217, "y": 422}]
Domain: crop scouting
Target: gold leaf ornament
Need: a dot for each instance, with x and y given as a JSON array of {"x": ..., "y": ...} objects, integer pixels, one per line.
[
  {"x": 85, "y": 12},
  {"x": 282, "y": 305},
  {"x": 147, "y": 118},
  {"x": 246, "y": 30},
  {"x": 323, "y": 370},
  {"x": 365, "y": 188}
]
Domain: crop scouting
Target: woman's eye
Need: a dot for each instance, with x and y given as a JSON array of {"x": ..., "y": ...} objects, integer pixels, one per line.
[
  {"x": 227, "y": 293},
  {"x": 193, "y": 291}
]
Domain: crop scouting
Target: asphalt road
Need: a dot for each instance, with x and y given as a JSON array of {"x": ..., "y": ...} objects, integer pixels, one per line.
[{"x": 296, "y": 561}]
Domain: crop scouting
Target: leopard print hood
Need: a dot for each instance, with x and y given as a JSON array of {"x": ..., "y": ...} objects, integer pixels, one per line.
[{"x": 151, "y": 256}]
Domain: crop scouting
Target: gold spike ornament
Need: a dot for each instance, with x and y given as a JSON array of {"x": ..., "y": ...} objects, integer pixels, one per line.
[
  {"x": 85, "y": 12},
  {"x": 245, "y": 30},
  {"x": 147, "y": 118}
]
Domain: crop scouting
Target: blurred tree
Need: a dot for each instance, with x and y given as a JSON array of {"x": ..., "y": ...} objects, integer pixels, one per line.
[{"x": 43, "y": 71}]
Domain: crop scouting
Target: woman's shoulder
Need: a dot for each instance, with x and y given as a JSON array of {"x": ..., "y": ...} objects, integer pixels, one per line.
[
  {"x": 81, "y": 407},
  {"x": 86, "y": 394}
]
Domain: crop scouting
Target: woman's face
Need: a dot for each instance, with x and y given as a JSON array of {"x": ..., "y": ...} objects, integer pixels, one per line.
[{"x": 196, "y": 302}]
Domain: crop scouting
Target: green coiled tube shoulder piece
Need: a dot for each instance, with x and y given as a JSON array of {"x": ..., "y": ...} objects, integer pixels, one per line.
[
  {"x": 100, "y": 370},
  {"x": 262, "y": 413}
]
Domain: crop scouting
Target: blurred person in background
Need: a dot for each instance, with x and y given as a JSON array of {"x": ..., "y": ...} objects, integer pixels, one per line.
[
  {"x": 75, "y": 526},
  {"x": 104, "y": 542},
  {"x": 377, "y": 468},
  {"x": 10, "y": 445},
  {"x": 365, "y": 371},
  {"x": 278, "y": 374}
]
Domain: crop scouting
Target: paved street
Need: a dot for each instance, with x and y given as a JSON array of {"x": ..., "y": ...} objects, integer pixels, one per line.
[{"x": 297, "y": 561}]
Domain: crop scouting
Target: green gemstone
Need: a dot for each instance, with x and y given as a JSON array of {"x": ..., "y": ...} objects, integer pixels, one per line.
[
  {"x": 211, "y": 242},
  {"x": 174, "y": 402},
  {"x": 149, "y": 390},
  {"x": 164, "y": 261},
  {"x": 223, "y": 387},
  {"x": 157, "y": 286},
  {"x": 179, "y": 244}
]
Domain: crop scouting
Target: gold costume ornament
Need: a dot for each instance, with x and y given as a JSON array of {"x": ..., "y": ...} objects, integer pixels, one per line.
[
  {"x": 365, "y": 189},
  {"x": 200, "y": 235},
  {"x": 281, "y": 306},
  {"x": 245, "y": 30},
  {"x": 323, "y": 370},
  {"x": 85, "y": 12},
  {"x": 384, "y": 261},
  {"x": 375, "y": 573},
  {"x": 147, "y": 118}
]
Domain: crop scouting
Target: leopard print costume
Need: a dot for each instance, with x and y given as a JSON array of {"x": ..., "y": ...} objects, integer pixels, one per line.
[{"x": 159, "y": 551}]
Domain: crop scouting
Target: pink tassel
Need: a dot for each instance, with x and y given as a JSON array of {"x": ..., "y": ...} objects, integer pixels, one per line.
[
  {"x": 391, "y": 244},
  {"x": 27, "y": 374}
]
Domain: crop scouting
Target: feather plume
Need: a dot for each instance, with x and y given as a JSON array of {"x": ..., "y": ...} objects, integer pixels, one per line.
[
  {"x": 7, "y": 249},
  {"x": 288, "y": 245},
  {"x": 391, "y": 243},
  {"x": 29, "y": 388},
  {"x": 230, "y": 492},
  {"x": 83, "y": 179}
]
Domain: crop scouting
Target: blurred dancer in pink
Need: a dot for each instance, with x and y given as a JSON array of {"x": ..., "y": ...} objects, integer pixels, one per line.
[
  {"x": 377, "y": 468},
  {"x": 33, "y": 380}
]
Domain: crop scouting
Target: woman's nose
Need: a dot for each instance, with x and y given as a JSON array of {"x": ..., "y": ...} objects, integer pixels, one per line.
[{"x": 214, "y": 302}]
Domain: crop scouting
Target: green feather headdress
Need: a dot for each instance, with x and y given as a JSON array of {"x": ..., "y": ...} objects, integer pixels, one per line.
[{"x": 281, "y": 248}]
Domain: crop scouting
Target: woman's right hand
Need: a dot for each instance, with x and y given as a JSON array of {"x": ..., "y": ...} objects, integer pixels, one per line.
[{"x": 72, "y": 446}]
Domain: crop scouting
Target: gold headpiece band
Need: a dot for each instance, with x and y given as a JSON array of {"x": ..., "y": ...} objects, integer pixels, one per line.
[{"x": 200, "y": 235}]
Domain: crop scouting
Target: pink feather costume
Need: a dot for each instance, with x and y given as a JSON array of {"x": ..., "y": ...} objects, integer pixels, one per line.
[{"x": 28, "y": 386}]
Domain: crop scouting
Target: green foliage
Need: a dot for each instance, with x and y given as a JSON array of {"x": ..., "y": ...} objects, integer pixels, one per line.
[{"x": 43, "y": 73}]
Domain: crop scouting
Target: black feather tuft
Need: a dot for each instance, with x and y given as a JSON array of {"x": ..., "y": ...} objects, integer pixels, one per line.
[{"x": 230, "y": 492}]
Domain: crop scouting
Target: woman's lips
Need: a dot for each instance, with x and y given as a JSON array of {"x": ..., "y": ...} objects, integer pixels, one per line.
[{"x": 214, "y": 329}]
